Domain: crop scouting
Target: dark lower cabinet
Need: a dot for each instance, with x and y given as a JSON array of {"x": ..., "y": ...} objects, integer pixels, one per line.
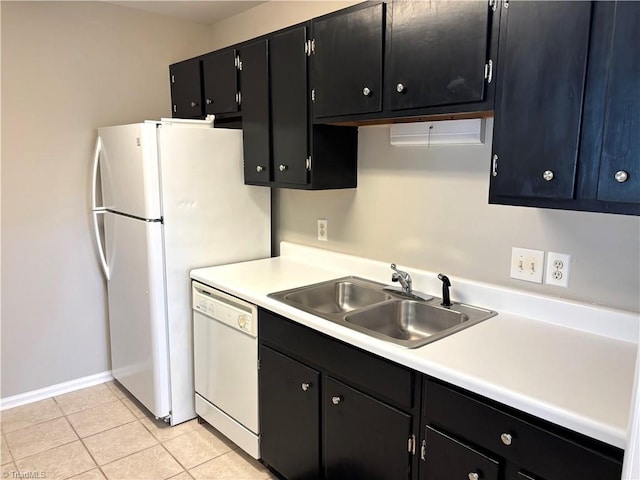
[
  {"x": 524, "y": 447},
  {"x": 446, "y": 458},
  {"x": 363, "y": 437},
  {"x": 332, "y": 411},
  {"x": 290, "y": 424}
]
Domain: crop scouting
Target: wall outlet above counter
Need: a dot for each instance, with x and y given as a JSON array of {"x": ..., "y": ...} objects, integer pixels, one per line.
[{"x": 528, "y": 265}]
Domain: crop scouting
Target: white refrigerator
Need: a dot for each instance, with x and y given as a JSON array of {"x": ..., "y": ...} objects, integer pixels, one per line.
[{"x": 168, "y": 197}]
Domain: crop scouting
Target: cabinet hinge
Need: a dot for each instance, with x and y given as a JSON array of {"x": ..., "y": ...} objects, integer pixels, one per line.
[
  {"x": 488, "y": 71},
  {"x": 258, "y": 364},
  {"x": 423, "y": 450},
  {"x": 173, "y": 79},
  {"x": 308, "y": 163},
  {"x": 313, "y": 95},
  {"x": 494, "y": 165},
  {"x": 411, "y": 445},
  {"x": 238, "y": 63},
  {"x": 238, "y": 98},
  {"x": 506, "y": 4},
  {"x": 493, "y": 4},
  {"x": 309, "y": 47},
  {"x": 175, "y": 108}
]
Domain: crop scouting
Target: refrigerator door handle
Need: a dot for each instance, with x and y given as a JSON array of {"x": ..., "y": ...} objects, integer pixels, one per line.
[
  {"x": 98, "y": 210},
  {"x": 101, "y": 253},
  {"x": 94, "y": 177}
]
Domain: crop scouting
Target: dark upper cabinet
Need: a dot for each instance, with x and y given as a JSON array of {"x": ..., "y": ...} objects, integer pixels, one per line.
[
  {"x": 437, "y": 53},
  {"x": 256, "y": 113},
  {"x": 303, "y": 155},
  {"x": 290, "y": 106},
  {"x": 186, "y": 89},
  {"x": 566, "y": 119},
  {"x": 220, "y": 77},
  {"x": 346, "y": 62},
  {"x": 619, "y": 175},
  {"x": 539, "y": 99}
]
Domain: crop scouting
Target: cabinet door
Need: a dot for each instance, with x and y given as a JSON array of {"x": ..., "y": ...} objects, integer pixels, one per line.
[
  {"x": 220, "y": 82},
  {"x": 289, "y": 416},
  {"x": 619, "y": 179},
  {"x": 436, "y": 53},
  {"x": 289, "y": 105},
  {"x": 539, "y": 98},
  {"x": 346, "y": 63},
  {"x": 186, "y": 89},
  {"x": 444, "y": 457},
  {"x": 364, "y": 438},
  {"x": 256, "y": 121}
]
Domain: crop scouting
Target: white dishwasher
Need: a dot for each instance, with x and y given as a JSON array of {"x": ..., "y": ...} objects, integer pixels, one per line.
[{"x": 225, "y": 349}]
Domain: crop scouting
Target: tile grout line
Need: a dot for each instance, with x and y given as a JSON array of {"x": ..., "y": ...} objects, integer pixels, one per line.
[{"x": 88, "y": 451}]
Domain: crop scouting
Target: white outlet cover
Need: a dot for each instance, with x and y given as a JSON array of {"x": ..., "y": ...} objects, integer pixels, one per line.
[
  {"x": 558, "y": 269},
  {"x": 527, "y": 265},
  {"x": 323, "y": 225}
]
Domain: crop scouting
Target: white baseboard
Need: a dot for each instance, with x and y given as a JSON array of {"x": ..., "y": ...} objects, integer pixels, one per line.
[{"x": 53, "y": 390}]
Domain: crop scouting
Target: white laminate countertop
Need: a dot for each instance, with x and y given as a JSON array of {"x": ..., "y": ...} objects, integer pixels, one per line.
[{"x": 576, "y": 371}]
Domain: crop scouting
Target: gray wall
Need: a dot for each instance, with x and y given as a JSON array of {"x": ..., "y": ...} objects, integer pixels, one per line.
[{"x": 67, "y": 68}]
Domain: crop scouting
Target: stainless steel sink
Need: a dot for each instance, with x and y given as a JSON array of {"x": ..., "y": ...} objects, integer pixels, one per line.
[
  {"x": 336, "y": 296},
  {"x": 370, "y": 308}
]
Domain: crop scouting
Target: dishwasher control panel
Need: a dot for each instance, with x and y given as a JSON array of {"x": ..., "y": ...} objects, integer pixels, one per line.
[{"x": 225, "y": 308}]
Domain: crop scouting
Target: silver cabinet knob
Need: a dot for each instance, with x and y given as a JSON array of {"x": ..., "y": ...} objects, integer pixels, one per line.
[
  {"x": 305, "y": 386},
  {"x": 474, "y": 476},
  {"x": 336, "y": 400},
  {"x": 194, "y": 104},
  {"x": 400, "y": 88},
  {"x": 621, "y": 176},
  {"x": 259, "y": 168},
  {"x": 366, "y": 91},
  {"x": 209, "y": 101},
  {"x": 282, "y": 168},
  {"x": 506, "y": 438},
  {"x": 547, "y": 175}
]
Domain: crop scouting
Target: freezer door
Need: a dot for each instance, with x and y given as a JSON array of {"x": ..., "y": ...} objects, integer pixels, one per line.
[
  {"x": 129, "y": 170},
  {"x": 137, "y": 310}
]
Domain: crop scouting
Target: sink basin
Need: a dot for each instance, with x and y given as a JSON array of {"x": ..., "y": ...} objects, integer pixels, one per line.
[
  {"x": 407, "y": 319},
  {"x": 370, "y": 308},
  {"x": 336, "y": 296}
]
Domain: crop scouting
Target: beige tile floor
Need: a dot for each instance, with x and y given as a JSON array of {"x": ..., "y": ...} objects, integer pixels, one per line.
[{"x": 101, "y": 432}]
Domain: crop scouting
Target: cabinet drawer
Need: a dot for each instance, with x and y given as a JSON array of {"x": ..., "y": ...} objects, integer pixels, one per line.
[
  {"x": 446, "y": 457},
  {"x": 534, "y": 447},
  {"x": 368, "y": 372}
]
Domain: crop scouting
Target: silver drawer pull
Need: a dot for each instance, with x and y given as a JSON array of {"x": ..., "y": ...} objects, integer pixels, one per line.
[
  {"x": 336, "y": 400},
  {"x": 400, "y": 88},
  {"x": 366, "y": 91},
  {"x": 621, "y": 176},
  {"x": 282, "y": 168},
  {"x": 305, "y": 386},
  {"x": 506, "y": 438},
  {"x": 259, "y": 168},
  {"x": 547, "y": 175},
  {"x": 474, "y": 476}
]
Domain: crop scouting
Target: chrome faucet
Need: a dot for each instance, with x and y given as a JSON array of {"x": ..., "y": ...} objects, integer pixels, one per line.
[{"x": 402, "y": 277}]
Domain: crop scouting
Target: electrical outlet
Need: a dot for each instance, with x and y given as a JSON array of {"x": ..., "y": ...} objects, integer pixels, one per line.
[
  {"x": 323, "y": 233},
  {"x": 527, "y": 264},
  {"x": 558, "y": 269}
]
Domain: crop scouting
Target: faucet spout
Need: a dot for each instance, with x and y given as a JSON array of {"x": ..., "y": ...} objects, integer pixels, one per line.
[{"x": 402, "y": 277}]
